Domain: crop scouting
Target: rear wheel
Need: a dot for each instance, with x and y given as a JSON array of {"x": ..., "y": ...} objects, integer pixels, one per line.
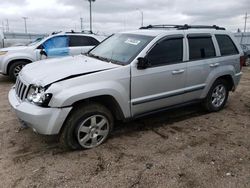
[
  {"x": 87, "y": 127},
  {"x": 217, "y": 96},
  {"x": 15, "y": 68}
]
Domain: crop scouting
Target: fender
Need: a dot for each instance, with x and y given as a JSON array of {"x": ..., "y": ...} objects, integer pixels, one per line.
[
  {"x": 117, "y": 85},
  {"x": 215, "y": 74},
  {"x": 16, "y": 56}
]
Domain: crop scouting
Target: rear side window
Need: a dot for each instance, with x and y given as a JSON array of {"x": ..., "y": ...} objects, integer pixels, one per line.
[
  {"x": 227, "y": 47},
  {"x": 200, "y": 48},
  {"x": 82, "y": 41},
  {"x": 166, "y": 52}
]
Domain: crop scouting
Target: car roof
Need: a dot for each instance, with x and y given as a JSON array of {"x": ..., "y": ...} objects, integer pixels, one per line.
[
  {"x": 158, "y": 32},
  {"x": 98, "y": 37}
]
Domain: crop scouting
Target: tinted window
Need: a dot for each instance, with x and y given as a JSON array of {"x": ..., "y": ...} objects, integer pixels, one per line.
[
  {"x": 82, "y": 41},
  {"x": 166, "y": 52},
  {"x": 200, "y": 47},
  {"x": 226, "y": 45}
]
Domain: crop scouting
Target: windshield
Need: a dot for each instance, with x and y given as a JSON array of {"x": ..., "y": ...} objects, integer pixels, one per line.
[
  {"x": 35, "y": 41},
  {"x": 121, "y": 48}
]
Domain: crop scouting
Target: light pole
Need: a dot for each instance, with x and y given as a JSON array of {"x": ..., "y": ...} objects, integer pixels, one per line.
[
  {"x": 245, "y": 25},
  {"x": 81, "y": 19},
  {"x": 142, "y": 15},
  {"x": 25, "y": 24},
  {"x": 90, "y": 13}
]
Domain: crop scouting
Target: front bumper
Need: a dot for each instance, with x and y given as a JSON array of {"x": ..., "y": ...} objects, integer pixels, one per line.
[{"x": 47, "y": 121}]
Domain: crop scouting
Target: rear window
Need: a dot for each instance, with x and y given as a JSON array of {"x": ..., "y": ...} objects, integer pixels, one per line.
[
  {"x": 82, "y": 41},
  {"x": 201, "y": 47},
  {"x": 227, "y": 47}
]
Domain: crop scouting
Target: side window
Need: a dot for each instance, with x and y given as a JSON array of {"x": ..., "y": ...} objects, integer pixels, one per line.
[
  {"x": 167, "y": 51},
  {"x": 56, "y": 46},
  {"x": 227, "y": 47},
  {"x": 82, "y": 41},
  {"x": 200, "y": 48}
]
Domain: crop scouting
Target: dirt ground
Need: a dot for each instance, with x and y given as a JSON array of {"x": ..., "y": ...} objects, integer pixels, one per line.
[{"x": 180, "y": 148}]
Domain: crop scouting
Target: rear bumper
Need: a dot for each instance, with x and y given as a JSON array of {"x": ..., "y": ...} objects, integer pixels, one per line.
[{"x": 47, "y": 121}]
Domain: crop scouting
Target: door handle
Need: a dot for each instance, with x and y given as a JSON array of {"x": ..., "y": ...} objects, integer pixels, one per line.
[
  {"x": 214, "y": 65},
  {"x": 178, "y": 71}
]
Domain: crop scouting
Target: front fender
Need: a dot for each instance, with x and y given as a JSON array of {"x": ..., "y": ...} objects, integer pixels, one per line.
[
  {"x": 17, "y": 56},
  {"x": 118, "y": 90}
]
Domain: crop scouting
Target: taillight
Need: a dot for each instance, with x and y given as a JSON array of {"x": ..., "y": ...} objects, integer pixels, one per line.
[{"x": 242, "y": 61}]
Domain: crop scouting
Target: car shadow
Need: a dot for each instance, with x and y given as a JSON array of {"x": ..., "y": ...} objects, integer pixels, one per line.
[
  {"x": 158, "y": 120},
  {"x": 5, "y": 79}
]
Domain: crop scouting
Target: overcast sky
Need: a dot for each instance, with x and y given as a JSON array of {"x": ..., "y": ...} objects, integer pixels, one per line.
[{"x": 119, "y": 15}]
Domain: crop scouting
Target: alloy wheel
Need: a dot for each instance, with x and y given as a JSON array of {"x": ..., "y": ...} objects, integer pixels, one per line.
[{"x": 93, "y": 131}]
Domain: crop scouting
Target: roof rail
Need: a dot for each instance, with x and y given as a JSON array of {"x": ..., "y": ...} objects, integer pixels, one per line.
[
  {"x": 182, "y": 27},
  {"x": 82, "y": 32},
  {"x": 55, "y": 32}
]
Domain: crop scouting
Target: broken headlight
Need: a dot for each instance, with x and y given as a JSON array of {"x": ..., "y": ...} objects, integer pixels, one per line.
[{"x": 37, "y": 95}]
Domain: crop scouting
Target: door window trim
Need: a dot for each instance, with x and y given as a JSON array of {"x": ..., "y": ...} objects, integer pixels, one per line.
[
  {"x": 179, "y": 36},
  {"x": 238, "y": 52},
  {"x": 200, "y": 35}
]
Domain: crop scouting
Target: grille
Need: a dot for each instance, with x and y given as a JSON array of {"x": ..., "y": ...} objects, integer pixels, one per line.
[{"x": 21, "y": 89}]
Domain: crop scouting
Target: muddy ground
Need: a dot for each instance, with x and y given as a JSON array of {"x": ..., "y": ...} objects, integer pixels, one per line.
[{"x": 182, "y": 148}]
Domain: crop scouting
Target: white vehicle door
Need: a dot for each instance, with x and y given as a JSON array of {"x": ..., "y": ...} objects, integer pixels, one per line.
[
  {"x": 81, "y": 44},
  {"x": 162, "y": 83}
]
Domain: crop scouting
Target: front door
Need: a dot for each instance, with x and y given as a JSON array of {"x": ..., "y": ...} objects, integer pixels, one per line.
[
  {"x": 57, "y": 46},
  {"x": 162, "y": 83}
]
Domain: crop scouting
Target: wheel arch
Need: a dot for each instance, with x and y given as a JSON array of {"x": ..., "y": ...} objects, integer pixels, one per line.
[
  {"x": 16, "y": 60},
  {"x": 228, "y": 78},
  {"x": 106, "y": 100}
]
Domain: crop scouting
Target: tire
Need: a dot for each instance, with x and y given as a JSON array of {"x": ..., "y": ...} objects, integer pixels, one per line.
[
  {"x": 87, "y": 127},
  {"x": 217, "y": 96},
  {"x": 15, "y": 68}
]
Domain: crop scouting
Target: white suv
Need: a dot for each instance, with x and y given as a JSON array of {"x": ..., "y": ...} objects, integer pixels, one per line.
[
  {"x": 60, "y": 44},
  {"x": 127, "y": 76}
]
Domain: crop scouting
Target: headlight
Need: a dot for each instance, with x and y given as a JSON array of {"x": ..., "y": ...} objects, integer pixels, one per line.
[
  {"x": 3, "y": 52},
  {"x": 38, "y": 96}
]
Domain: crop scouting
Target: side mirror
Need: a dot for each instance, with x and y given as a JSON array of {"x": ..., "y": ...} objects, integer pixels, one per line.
[
  {"x": 143, "y": 63},
  {"x": 42, "y": 52}
]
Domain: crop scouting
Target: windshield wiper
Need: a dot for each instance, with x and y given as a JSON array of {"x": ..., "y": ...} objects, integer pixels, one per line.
[{"x": 99, "y": 57}]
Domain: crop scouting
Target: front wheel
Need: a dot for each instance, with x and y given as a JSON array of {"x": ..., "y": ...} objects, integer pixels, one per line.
[
  {"x": 15, "y": 68},
  {"x": 217, "y": 96},
  {"x": 87, "y": 127}
]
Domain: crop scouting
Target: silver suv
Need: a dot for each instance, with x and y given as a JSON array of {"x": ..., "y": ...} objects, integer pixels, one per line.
[{"x": 128, "y": 75}]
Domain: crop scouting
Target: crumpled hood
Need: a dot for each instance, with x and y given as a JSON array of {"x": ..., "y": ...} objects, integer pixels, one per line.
[{"x": 52, "y": 70}]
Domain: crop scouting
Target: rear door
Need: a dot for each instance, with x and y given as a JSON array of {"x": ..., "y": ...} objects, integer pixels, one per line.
[
  {"x": 161, "y": 84},
  {"x": 201, "y": 60},
  {"x": 81, "y": 44}
]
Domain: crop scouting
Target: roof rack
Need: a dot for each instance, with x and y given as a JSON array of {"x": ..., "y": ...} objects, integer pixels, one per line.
[
  {"x": 55, "y": 32},
  {"x": 183, "y": 27},
  {"x": 84, "y": 31}
]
